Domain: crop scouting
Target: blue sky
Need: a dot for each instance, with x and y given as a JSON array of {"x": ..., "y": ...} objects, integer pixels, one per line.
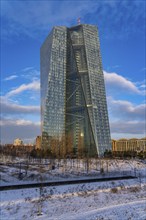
[{"x": 25, "y": 25}]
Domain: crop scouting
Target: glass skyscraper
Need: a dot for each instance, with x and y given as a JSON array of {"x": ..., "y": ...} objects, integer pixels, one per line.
[{"x": 73, "y": 100}]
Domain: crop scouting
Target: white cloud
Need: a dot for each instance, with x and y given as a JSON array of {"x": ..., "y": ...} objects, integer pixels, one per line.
[
  {"x": 19, "y": 128},
  {"x": 143, "y": 86},
  {"x": 17, "y": 122},
  {"x": 128, "y": 127},
  {"x": 11, "y": 108},
  {"x": 31, "y": 86},
  {"x": 10, "y": 77},
  {"x": 27, "y": 68},
  {"x": 126, "y": 119},
  {"x": 30, "y": 73},
  {"x": 143, "y": 69},
  {"x": 126, "y": 110},
  {"x": 27, "y": 17},
  {"x": 48, "y": 11},
  {"x": 117, "y": 82}
]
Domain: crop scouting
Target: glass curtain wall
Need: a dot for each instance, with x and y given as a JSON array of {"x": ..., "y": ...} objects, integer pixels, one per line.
[
  {"x": 73, "y": 99},
  {"x": 53, "y": 86},
  {"x": 78, "y": 125}
]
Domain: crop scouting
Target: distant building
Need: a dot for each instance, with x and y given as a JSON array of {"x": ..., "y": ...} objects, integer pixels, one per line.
[
  {"x": 132, "y": 144},
  {"x": 18, "y": 150},
  {"x": 38, "y": 142},
  {"x": 73, "y": 97},
  {"x": 18, "y": 142}
]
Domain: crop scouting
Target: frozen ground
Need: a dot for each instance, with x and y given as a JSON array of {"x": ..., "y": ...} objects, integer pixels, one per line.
[{"x": 113, "y": 200}]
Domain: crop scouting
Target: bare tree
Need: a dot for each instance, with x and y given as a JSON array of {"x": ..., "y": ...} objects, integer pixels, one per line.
[
  {"x": 69, "y": 145},
  {"x": 80, "y": 146}
]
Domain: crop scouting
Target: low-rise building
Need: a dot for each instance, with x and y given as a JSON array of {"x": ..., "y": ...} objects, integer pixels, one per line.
[
  {"x": 18, "y": 142},
  {"x": 132, "y": 144},
  {"x": 38, "y": 142}
]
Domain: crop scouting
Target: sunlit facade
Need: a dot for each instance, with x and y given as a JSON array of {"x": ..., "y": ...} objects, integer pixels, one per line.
[
  {"x": 18, "y": 142},
  {"x": 73, "y": 99},
  {"x": 133, "y": 144}
]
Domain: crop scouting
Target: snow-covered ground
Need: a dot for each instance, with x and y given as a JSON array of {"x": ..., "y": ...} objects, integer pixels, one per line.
[
  {"x": 112, "y": 200},
  {"x": 69, "y": 169}
]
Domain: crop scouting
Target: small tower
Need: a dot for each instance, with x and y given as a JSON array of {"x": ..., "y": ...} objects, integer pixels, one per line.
[{"x": 79, "y": 21}]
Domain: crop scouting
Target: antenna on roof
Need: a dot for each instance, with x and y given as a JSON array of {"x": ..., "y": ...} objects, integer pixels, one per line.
[{"x": 79, "y": 20}]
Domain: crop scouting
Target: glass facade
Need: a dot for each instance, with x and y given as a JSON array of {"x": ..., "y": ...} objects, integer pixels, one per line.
[
  {"x": 73, "y": 95},
  {"x": 53, "y": 85}
]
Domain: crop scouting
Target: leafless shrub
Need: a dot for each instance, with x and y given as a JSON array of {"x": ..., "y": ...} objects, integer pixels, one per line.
[
  {"x": 27, "y": 199},
  {"x": 134, "y": 189},
  {"x": 8, "y": 208},
  {"x": 123, "y": 189},
  {"x": 122, "y": 186},
  {"x": 114, "y": 190}
]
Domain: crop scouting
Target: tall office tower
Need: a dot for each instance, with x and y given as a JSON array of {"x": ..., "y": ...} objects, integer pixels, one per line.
[{"x": 73, "y": 100}]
